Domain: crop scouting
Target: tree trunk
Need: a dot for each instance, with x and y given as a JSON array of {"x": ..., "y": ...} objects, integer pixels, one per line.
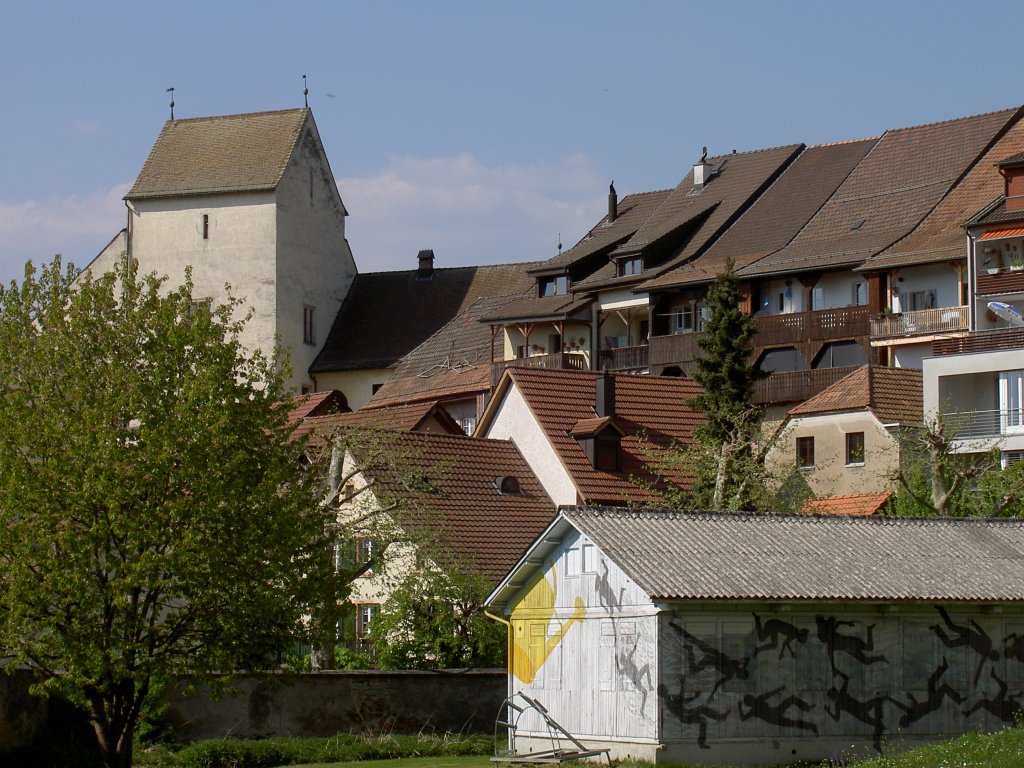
[{"x": 115, "y": 712}]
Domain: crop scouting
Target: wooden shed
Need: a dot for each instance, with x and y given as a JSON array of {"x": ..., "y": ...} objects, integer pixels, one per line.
[{"x": 738, "y": 638}]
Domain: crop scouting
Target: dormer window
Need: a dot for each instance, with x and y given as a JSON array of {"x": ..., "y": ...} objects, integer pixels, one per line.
[
  {"x": 556, "y": 285},
  {"x": 630, "y": 265}
]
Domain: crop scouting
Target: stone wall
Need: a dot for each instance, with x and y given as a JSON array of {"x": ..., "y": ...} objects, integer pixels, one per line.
[
  {"x": 324, "y": 704},
  {"x": 22, "y": 715}
]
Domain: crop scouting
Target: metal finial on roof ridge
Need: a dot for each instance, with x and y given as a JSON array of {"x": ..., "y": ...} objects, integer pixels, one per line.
[
  {"x": 305, "y": 92},
  {"x": 171, "y": 91}
]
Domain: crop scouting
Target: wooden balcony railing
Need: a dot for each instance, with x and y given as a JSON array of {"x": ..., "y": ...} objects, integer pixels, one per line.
[
  {"x": 557, "y": 360},
  {"x": 921, "y": 322},
  {"x": 794, "y": 386},
  {"x": 981, "y": 341},
  {"x": 675, "y": 349},
  {"x": 623, "y": 359},
  {"x": 839, "y": 323}
]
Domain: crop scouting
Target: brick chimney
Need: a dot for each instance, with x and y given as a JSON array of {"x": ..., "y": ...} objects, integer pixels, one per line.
[{"x": 425, "y": 270}]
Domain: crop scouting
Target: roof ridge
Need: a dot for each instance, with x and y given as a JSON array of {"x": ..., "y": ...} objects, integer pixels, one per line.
[
  {"x": 734, "y": 153},
  {"x": 238, "y": 115},
  {"x": 845, "y": 141},
  {"x": 450, "y": 269},
  {"x": 951, "y": 120},
  {"x": 746, "y": 514}
]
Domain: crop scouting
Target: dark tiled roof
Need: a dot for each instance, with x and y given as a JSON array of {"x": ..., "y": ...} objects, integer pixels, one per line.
[
  {"x": 455, "y": 361},
  {"x": 894, "y": 395},
  {"x": 777, "y": 216},
  {"x": 208, "y": 155},
  {"x": 996, "y": 214},
  {"x": 1015, "y": 159},
  {"x": 906, "y": 173},
  {"x": 941, "y": 235},
  {"x": 477, "y": 525},
  {"x": 706, "y": 556},
  {"x": 633, "y": 211},
  {"x": 647, "y": 408},
  {"x": 540, "y": 308},
  {"x": 857, "y": 504},
  {"x": 388, "y": 314}
]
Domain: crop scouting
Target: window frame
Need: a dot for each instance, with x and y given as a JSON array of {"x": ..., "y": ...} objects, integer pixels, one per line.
[
  {"x": 855, "y": 453},
  {"x": 805, "y": 452},
  {"x": 308, "y": 324}
]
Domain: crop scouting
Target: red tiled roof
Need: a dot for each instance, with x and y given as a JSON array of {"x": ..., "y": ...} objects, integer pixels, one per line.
[
  {"x": 893, "y": 394},
  {"x": 316, "y": 404},
  {"x": 650, "y": 410},
  {"x": 854, "y": 505},
  {"x": 474, "y": 523},
  {"x": 396, "y": 418}
]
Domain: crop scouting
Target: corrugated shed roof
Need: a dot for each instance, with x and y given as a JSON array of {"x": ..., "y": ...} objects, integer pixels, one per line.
[
  {"x": 941, "y": 235},
  {"x": 648, "y": 409},
  {"x": 777, "y": 216},
  {"x": 478, "y": 525},
  {"x": 388, "y": 314},
  {"x": 855, "y": 504},
  {"x": 904, "y": 176},
  {"x": 893, "y": 394},
  {"x": 707, "y": 556},
  {"x": 209, "y": 155}
]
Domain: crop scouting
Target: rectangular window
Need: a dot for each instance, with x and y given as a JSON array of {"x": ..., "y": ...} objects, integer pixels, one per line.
[
  {"x": 364, "y": 618},
  {"x": 308, "y": 324},
  {"x": 206, "y": 227},
  {"x": 365, "y": 550},
  {"x": 805, "y": 452},
  {"x": 557, "y": 285},
  {"x": 682, "y": 319},
  {"x": 588, "y": 563},
  {"x": 818, "y": 297},
  {"x": 860, "y": 294},
  {"x": 854, "y": 448},
  {"x": 922, "y": 300},
  {"x": 631, "y": 265},
  {"x": 1011, "y": 401}
]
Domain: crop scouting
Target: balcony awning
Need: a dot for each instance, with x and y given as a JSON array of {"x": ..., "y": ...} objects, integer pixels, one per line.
[{"x": 1002, "y": 234}]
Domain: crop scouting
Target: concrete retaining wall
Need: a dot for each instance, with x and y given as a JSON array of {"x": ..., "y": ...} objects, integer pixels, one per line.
[{"x": 324, "y": 704}]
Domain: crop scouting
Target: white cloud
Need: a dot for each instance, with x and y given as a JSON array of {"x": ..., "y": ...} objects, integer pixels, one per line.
[
  {"x": 77, "y": 227},
  {"x": 469, "y": 212}
]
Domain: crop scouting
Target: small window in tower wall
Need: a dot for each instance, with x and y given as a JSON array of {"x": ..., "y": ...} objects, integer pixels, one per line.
[
  {"x": 206, "y": 226},
  {"x": 309, "y": 324}
]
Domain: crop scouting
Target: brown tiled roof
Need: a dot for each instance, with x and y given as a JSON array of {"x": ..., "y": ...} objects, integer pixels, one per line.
[
  {"x": 407, "y": 417},
  {"x": 478, "y": 525},
  {"x": 633, "y": 211},
  {"x": 648, "y": 409},
  {"x": 388, "y": 314},
  {"x": 854, "y": 505},
  {"x": 209, "y": 155},
  {"x": 1000, "y": 284},
  {"x": 776, "y": 217},
  {"x": 533, "y": 308},
  {"x": 316, "y": 404},
  {"x": 894, "y": 395},
  {"x": 453, "y": 362},
  {"x": 941, "y": 235},
  {"x": 996, "y": 213},
  {"x": 906, "y": 173}
]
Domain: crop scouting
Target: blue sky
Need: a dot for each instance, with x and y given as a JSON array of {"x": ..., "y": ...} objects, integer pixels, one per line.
[{"x": 482, "y": 130}]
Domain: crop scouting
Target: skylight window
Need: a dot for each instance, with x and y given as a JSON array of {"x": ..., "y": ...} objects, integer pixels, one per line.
[{"x": 857, "y": 224}]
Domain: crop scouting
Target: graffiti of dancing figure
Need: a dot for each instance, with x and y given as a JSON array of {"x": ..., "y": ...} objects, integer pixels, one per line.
[
  {"x": 915, "y": 710},
  {"x": 626, "y": 664},
  {"x": 727, "y": 668},
  {"x": 1005, "y": 707},
  {"x": 699, "y": 715},
  {"x": 972, "y": 636},
  {"x": 758, "y": 706},
  {"x": 870, "y": 711},
  {"x": 828, "y": 633},
  {"x": 772, "y": 630}
]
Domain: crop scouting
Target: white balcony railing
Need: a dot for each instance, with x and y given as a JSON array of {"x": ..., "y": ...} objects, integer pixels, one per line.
[{"x": 975, "y": 425}]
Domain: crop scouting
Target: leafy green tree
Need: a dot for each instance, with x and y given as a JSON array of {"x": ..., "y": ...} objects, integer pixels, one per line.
[
  {"x": 155, "y": 520},
  {"x": 435, "y": 620}
]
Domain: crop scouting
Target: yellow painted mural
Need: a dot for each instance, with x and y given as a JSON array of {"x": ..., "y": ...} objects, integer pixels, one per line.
[{"x": 536, "y": 630}]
